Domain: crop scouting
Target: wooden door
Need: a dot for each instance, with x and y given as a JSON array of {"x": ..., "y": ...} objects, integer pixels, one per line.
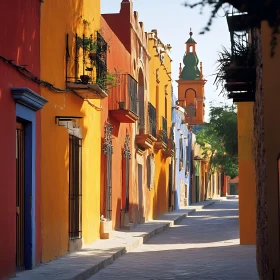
[{"x": 20, "y": 190}]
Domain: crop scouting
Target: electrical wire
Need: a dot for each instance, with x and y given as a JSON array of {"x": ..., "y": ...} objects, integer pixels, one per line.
[{"x": 29, "y": 75}]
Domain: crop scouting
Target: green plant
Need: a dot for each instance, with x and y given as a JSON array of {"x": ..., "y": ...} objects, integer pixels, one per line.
[
  {"x": 107, "y": 80},
  {"x": 87, "y": 44},
  {"x": 243, "y": 56},
  {"x": 219, "y": 140}
]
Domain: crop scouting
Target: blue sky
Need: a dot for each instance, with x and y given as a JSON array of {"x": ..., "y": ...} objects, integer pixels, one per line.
[{"x": 173, "y": 22}]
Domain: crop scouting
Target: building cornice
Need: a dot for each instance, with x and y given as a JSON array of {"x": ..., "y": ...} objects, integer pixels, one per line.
[{"x": 28, "y": 98}]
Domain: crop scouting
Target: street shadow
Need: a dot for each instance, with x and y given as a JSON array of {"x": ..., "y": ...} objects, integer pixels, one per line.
[
  {"x": 224, "y": 262},
  {"x": 232, "y": 212}
]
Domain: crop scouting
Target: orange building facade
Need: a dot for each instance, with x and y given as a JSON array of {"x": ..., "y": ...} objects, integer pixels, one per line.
[
  {"x": 132, "y": 36},
  {"x": 135, "y": 117},
  {"x": 118, "y": 118}
]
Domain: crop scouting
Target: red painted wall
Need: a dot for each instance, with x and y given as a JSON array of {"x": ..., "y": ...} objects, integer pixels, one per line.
[
  {"x": 19, "y": 41},
  {"x": 120, "y": 25},
  {"x": 118, "y": 59}
]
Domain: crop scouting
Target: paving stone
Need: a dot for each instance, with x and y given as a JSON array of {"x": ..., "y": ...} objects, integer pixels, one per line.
[{"x": 203, "y": 246}]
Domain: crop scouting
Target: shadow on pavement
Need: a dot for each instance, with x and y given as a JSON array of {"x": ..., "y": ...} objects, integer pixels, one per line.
[{"x": 224, "y": 262}]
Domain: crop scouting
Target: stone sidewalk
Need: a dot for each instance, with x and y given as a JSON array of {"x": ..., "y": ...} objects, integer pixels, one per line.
[
  {"x": 88, "y": 261},
  {"x": 203, "y": 246}
]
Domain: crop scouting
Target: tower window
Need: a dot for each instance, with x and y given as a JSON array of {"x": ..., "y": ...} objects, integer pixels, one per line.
[{"x": 191, "y": 49}]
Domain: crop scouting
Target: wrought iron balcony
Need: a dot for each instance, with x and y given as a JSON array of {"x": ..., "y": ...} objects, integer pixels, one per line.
[
  {"x": 152, "y": 120},
  {"x": 240, "y": 22},
  {"x": 240, "y": 74},
  {"x": 162, "y": 138},
  {"x": 86, "y": 66},
  {"x": 240, "y": 83},
  {"x": 146, "y": 138},
  {"x": 171, "y": 148},
  {"x": 123, "y": 97}
]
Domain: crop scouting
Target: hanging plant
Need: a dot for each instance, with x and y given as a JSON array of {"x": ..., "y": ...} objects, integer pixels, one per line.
[
  {"x": 88, "y": 45},
  {"x": 236, "y": 67}
]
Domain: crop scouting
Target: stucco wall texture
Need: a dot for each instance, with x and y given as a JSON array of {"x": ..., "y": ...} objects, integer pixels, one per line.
[
  {"x": 19, "y": 43},
  {"x": 160, "y": 92},
  {"x": 247, "y": 184},
  {"x": 118, "y": 62},
  {"x": 58, "y": 19}
]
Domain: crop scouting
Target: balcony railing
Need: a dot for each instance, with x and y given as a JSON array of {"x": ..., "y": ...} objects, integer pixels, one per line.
[
  {"x": 162, "y": 137},
  {"x": 123, "y": 99},
  {"x": 170, "y": 149},
  {"x": 101, "y": 61},
  {"x": 152, "y": 120},
  {"x": 240, "y": 73},
  {"x": 86, "y": 65},
  {"x": 146, "y": 138},
  {"x": 124, "y": 95}
]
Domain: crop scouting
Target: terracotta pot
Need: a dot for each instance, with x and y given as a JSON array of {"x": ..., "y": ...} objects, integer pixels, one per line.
[{"x": 92, "y": 55}]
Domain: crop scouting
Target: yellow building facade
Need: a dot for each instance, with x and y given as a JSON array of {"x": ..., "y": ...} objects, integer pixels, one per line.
[
  {"x": 160, "y": 96},
  {"x": 247, "y": 184},
  {"x": 71, "y": 141}
]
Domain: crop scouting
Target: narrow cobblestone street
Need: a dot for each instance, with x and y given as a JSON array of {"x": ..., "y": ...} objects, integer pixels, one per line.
[{"x": 203, "y": 246}]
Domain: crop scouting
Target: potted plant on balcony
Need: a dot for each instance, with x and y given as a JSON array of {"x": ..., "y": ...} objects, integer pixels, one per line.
[
  {"x": 92, "y": 52},
  {"x": 86, "y": 78},
  {"x": 236, "y": 71},
  {"x": 89, "y": 46}
]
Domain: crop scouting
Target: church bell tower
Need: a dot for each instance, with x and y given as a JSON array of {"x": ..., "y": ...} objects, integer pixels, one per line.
[{"x": 191, "y": 85}]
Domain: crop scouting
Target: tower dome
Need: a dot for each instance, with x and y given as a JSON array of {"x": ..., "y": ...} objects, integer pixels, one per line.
[{"x": 190, "y": 70}]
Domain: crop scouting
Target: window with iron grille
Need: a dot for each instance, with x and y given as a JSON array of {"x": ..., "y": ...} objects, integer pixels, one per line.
[
  {"x": 108, "y": 151},
  {"x": 181, "y": 154},
  {"x": 152, "y": 115},
  {"x": 101, "y": 61},
  {"x": 75, "y": 187},
  {"x": 127, "y": 156},
  {"x": 132, "y": 92}
]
